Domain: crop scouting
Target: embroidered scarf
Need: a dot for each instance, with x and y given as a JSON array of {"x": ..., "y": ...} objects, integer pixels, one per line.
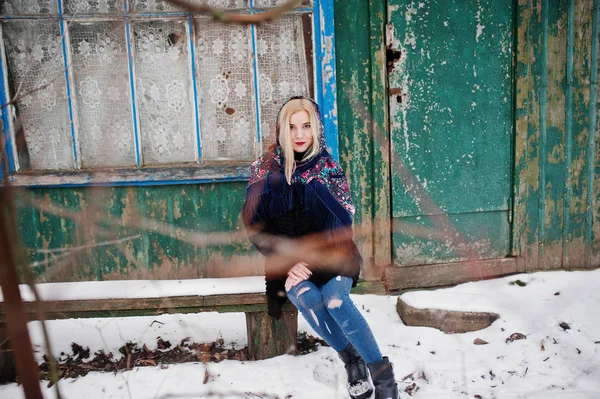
[{"x": 320, "y": 185}]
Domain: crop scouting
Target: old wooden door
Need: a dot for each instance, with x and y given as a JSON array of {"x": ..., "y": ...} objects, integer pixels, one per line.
[{"x": 450, "y": 111}]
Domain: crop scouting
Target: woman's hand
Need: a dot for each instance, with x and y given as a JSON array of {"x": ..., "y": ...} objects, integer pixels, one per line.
[{"x": 298, "y": 273}]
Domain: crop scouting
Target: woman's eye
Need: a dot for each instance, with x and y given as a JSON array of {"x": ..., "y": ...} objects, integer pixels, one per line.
[{"x": 307, "y": 126}]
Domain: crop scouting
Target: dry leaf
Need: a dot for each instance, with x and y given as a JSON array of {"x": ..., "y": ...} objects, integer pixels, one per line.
[
  {"x": 479, "y": 341},
  {"x": 148, "y": 362},
  {"x": 516, "y": 336},
  {"x": 160, "y": 344}
]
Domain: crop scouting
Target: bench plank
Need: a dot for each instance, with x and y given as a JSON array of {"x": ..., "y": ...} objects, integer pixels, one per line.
[
  {"x": 267, "y": 337},
  {"x": 143, "y": 306}
]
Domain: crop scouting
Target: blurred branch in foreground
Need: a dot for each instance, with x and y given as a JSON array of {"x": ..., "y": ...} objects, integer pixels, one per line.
[
  {"x": 16, "y": 318},
  {"x": 233, "y": 18}
]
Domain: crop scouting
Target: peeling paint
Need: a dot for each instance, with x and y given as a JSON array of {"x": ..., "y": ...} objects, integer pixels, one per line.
[
  {"x": 480, "y": 27},
  {"x": 444, "y": 126},
  {"x": 551, "y": 222},
  {"x": 150, "y": 256}
]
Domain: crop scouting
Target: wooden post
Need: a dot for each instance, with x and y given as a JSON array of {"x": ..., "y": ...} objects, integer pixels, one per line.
[
  {"x": 15, "y": 316},
  {"x": 268, "y": 337}
]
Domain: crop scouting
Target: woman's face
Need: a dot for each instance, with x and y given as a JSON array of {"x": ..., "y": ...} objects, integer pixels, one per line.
[{"x": 301, "y": 131}]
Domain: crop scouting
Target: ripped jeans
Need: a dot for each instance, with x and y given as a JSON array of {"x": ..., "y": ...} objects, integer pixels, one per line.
[{"x": 332, "y": 314}]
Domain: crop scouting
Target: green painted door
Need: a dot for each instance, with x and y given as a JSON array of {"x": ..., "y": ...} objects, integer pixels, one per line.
[{"x": 450, "y": 110}]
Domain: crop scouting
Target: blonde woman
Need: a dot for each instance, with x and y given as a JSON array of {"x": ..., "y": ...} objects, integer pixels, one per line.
[{"x": 296, "y": 189}]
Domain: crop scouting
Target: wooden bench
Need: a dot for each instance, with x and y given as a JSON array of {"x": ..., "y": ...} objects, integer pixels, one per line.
[{"x": 266, "y": 337}]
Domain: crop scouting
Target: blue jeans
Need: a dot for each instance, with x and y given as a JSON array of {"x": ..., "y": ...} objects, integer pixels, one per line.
[{"x": 332, "y": 314}]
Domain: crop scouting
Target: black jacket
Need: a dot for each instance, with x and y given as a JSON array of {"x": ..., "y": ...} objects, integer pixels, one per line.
[{"x": 296, "y": 224}]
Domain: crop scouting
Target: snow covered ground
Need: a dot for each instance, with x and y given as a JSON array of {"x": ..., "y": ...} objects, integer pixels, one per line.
[{"x": 551, "y": 363}]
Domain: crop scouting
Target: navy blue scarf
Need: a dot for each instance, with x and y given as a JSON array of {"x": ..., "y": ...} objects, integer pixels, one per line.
[{"x": 272, "y": 197}]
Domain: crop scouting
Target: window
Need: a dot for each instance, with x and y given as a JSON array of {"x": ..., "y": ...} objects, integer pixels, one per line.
[{"x": 123, "y": 88}]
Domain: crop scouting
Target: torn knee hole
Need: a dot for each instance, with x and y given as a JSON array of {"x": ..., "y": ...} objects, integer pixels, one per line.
[
  {"x": 303, "y": 290},
  {"x": 334, "y": 303}
]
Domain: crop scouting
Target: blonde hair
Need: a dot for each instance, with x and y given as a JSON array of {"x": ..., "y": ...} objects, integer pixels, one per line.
[{"x": 289, "y": 109}]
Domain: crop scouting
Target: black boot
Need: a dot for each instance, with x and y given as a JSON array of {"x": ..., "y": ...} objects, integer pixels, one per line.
[
  {"x": 359, "y": 386},
  {"x": 383, "y": 379}
]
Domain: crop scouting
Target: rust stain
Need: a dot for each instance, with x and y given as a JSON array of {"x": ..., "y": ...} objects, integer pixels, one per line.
[
  {"x": 176, "y": 209},
  {"x": 130, "y": 210},
  {"x": 392, "y": 56}
]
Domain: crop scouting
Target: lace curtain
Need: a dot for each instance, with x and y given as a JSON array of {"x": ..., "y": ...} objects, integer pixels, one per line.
[
  {"x": 165, "y": 97},
  {"x": 34, "y": 54},
  {"x": 102, "y": 94},
  {"x": 162, "y": 5},
  {"x": 164, "y": 91},
  {"x": 16, "y": 7},
  {"x": 283, "y": 68},
  {"x": 225, "y": 80},
  {"x": 226, "y": 89},
  {"x": 74, "y": 7}
]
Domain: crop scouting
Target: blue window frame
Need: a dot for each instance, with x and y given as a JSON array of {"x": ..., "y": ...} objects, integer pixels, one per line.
[{"x": 152, "y": 156}]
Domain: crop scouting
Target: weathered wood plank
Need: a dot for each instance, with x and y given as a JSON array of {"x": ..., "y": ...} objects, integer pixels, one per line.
[
  {"x": 148, "y": 175},
  {"x": 574, "y": 249},
  {"x": 123, "y": 249},
  {"x": 53, "y": 315},
  {"x": 370, "y": 287},
  {"x": 553, "y": 160},
  {"x": 268, "y": 337},
  {"x": 28, "y": 229},
  {"x": 238, "y": 299},
  {"x": 54, "y": 232},
  {"x": 353, "y": 54},
  {"x": 527, "y": 168},
  {"x": 400, "y": 278},
  {"x": 382, "y": 238},
  {"x": 425, "y": 240},
  {"x": 451, "y": 127},
  {"x": 594, "y": 255},
  {"x": 139, "y": 306}
]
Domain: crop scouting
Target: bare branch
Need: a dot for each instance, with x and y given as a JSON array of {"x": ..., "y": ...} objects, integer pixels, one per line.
[
  {"x": 82, "y": 247},
  {"x": 18, "y": 95},
  {"x": 199, "y": 239},
  {"x": 244, "y": 19},
  {"x": 15, "y": 310}
]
